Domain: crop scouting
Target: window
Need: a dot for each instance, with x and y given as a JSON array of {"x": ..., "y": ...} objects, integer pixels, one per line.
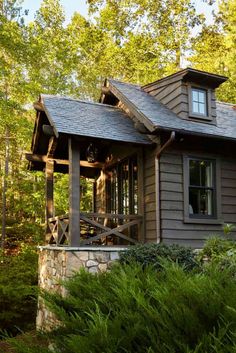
[
  {"x": 199, "y": 101},
  {"x": 122, "y": 192},
  {"x": 122, "y": 187},
  {"x": 202, "y": 202},
  {"x": 201, "y": 187}
]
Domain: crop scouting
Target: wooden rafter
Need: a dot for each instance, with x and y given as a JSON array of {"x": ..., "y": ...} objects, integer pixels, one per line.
[
  {"x": 39, "y": 107},
  {"x": 43, "y": 158},
  {"x": 51, "y": 147}
]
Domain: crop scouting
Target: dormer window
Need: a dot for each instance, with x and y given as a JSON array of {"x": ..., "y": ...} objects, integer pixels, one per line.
[
  {"x": 199, "y": 101},
  {"x": 189, "y": 93}
]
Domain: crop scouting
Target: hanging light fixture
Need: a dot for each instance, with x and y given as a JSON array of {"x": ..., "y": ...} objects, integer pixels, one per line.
[{"x": 91, "y": 153}]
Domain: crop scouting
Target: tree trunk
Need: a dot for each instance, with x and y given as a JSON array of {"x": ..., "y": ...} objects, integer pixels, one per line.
[{"x": 4, "y": 188}]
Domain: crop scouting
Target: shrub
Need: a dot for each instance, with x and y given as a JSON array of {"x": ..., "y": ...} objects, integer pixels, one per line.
[
  {"x": 220, "y": 251},
  {"x": 18, "y": 283},
  {"x": 151, "y": 254},
  {"x": 215, "y": 247},
  {"x": 135, "y": 309}
]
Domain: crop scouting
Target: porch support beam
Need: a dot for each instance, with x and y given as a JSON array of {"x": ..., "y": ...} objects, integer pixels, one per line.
[
  {"x": 43, "y": 158},
  {"x": 141, "y": 207},
  {"x": 74, "y": 191},
  {"x": 49, "y": 170}
]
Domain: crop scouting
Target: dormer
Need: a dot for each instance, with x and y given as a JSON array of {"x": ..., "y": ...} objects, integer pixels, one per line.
[{"x": 189, "y": 93}]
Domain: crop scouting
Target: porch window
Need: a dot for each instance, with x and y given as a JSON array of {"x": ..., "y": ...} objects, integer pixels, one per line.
[
  {"x": 122, "y": 187},
  {"x": 202, "y": 201}
]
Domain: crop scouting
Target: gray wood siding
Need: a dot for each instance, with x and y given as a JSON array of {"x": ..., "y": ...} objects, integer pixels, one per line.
[
  {"x": 173, "y": 228},
  {"x": 150, "y": 196}
]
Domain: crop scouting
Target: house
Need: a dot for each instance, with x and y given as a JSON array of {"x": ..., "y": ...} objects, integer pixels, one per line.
[{"x": 161, "y": 156}]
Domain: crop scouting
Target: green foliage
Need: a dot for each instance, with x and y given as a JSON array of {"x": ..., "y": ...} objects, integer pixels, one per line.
[
  {"x": 228, "y": 228},
  {"x": 153, "y": 254},
  {"x": 219, "y": 251},
  {"x": 214, "y": 49},
  {"x": 217, "y": 246},
  {"x": 18, "y": 283},
  {"x": 136, "y": 309}
]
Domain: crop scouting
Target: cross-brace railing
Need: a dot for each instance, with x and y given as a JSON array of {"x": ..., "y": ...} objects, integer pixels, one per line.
[{"x": 96, "y": 228}]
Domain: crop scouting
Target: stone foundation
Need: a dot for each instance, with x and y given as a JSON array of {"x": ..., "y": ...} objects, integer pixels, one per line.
[{"x": 57, "y": 264}]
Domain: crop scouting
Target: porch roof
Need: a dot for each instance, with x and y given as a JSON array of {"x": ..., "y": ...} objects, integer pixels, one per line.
[
  {"x": 154, "y": 115},
  {"x": 76, "y": 117}
]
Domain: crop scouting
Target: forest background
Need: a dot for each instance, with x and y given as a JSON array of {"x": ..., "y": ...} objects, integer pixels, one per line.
[{"x": 137, "y": 41}]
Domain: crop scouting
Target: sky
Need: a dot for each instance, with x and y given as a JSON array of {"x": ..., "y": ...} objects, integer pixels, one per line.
[{"x": 71, "y": 6}]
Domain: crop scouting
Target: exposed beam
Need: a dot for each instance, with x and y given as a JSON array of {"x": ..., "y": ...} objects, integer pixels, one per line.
[
  {"x": 31, "y": 157},
  {"x": 51, "y": 147},
  {"x": 106, "y": 91},
  {"x": 39, "y": 107}
]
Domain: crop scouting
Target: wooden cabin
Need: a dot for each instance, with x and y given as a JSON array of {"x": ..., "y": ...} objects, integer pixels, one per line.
[{"x": 161, "y": 157}]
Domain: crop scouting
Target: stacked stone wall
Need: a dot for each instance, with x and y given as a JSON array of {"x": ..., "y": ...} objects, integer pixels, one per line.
[{"x": 57, "y": 264}]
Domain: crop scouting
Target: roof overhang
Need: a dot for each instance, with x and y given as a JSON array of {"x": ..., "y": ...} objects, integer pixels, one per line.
[{"x": 197, "y": 76}]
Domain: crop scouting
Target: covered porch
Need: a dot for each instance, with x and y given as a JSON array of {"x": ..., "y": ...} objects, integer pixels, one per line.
[{"x": 114, "y": 163}]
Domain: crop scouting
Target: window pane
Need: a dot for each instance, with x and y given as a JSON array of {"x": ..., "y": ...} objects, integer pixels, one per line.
[
  {"x": 207, "y": 173},
  {"x": 201, "y": 173},
  {"x": 194, "y": 172},
  {"x": 194, "y": 197},
  {"x": 195, "y": 108},
  {"x": 201, "y": 96},
  {"x": 125, "y": 188},
  {"x": 202, "y": 107},
  {"x": 200, "y": 202},
  {"x": 194, "y": 95}
]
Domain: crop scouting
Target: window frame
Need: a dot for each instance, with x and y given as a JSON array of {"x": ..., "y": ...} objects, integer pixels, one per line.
[
  {"x": 208, "y": 115},
  {"x": 203, "y": 219}
]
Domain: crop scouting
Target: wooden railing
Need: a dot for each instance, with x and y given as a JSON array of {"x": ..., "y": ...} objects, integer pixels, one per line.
[{"x": 97, "y": 229}]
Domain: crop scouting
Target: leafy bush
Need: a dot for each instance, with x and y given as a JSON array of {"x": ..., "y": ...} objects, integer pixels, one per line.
[
  {"x": 18, "y": 283},
  {"x": 220, "y": 251},
  {"x": 151, "y": 254},
  {"x": 136, "y": 309},
  {"x": 215, "y": 247}
]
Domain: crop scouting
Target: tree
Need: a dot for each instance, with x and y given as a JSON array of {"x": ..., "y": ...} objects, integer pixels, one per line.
[
  {"x": 214, "y": 49},
  {"x": 136, "y": 40},
  {"x": 48, "y": 52}
]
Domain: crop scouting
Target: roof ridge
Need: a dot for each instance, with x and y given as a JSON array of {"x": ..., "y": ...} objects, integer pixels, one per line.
[
  {"x": 124, "y": 83},
  {"x": 77, "y": 100}
]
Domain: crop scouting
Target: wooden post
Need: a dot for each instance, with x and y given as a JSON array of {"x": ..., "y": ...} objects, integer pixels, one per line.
[
  {"x": 141, "y": 228},
  {"x": 49, "y": 194},
  {"x": 74, "y": 189}
]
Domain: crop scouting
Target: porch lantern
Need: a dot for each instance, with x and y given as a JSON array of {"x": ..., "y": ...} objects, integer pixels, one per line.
[{"x": 91, "y": 153}]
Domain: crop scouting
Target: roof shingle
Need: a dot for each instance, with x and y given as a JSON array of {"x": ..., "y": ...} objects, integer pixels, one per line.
[
  {"x": 159, "y": 116},
  {"x": 75, "y": 117}
]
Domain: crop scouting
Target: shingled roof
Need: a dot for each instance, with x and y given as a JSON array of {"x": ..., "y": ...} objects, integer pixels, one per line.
[
  {"x": 75, "y": 117},
  {"x": 156, "y": 116}
]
